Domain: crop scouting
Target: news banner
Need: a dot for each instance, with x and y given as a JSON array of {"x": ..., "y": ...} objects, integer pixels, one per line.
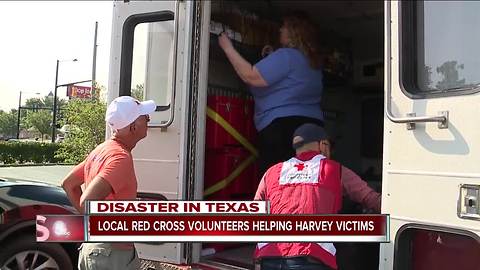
[{"x": 205, "y": 221}]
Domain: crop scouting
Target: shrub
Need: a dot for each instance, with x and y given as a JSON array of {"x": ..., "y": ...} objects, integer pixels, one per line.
[{"x": 28, "y": 152}]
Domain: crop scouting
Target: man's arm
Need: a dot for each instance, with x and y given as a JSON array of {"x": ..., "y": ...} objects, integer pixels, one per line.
[
  {"x": 260, "y": 195},
  {"x": 358, "y": 190},
  {"x": 98, "y": 189},
  {"x": 112, "y": 178},
  {"x": 72, "y": 184}
]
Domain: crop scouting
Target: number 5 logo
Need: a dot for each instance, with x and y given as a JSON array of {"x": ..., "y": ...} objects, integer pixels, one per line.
[{"x": 44, "y": 232}]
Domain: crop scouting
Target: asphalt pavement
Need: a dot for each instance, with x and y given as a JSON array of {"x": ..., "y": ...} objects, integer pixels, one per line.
[{"x": 46, "y": 174}]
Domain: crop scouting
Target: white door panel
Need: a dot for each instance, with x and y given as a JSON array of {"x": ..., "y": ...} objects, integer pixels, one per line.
[
  {"x": 423, "y": 168},
  {"x": 158, "y": 51}
]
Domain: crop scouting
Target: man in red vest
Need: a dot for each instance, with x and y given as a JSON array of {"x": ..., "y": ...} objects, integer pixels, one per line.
[{"x": 309, "y": 183}]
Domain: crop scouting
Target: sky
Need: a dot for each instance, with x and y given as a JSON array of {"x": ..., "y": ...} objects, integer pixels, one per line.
[{"x": 35, "y": 34}]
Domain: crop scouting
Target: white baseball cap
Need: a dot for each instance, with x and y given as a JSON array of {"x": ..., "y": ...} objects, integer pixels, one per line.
[{"x": 125, "y": 110}]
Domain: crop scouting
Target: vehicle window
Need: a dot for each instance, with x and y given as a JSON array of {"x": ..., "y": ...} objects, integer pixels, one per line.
[
  {"x": 152, "y": 63},
  {"x": 147, "y": 63},
  {"x": 440, "y": 43}
]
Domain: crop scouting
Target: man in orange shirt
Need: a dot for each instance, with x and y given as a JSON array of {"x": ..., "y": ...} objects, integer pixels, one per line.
[{"x": 108, "y": 174}]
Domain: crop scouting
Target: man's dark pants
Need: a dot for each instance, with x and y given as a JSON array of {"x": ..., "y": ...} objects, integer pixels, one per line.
[{"x": 298, "y": 263}]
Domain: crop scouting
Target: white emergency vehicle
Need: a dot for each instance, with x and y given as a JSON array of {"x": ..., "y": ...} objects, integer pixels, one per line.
[{"x": 401, "y": 99}]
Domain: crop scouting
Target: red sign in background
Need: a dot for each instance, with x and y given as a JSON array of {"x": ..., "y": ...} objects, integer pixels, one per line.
[{"x": 75, "y": 91}]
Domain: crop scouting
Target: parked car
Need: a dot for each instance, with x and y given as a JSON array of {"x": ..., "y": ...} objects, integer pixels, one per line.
[{"x": 20, "y": 202}]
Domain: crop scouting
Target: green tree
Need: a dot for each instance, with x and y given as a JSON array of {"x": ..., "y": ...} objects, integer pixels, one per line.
[
  {"x": 86, "y": 128},
  {"x": 44, "y": 105},
  {"x": 426, "y": 79},
  {"x": 451, "y": 78},
  {"x": 44, "y": 102},
  {"x": 99, "y": 92},
  {"x": 40, "y": 121},
  {"x": 138, "y": 92},
  {"x": 8, "y": 123}
]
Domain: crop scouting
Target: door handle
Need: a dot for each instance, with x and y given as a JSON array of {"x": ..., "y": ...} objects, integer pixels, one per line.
[
  {"x": 412, "y": 119},
  {"x": 165, "y": 124},
  {"x": 468, "y": 202}
]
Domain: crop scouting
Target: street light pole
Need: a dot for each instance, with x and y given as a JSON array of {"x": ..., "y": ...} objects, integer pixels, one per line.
[
  {"x": 94, "y": 61},
  {"x": 18, "y": 115},
  {"x": 54, "y": 122}
]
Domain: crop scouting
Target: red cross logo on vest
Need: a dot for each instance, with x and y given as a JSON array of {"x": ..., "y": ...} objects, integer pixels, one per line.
[{"x": 300, "y": 166}]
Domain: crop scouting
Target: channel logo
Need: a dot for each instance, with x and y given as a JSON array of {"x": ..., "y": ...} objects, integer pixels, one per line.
[{"x": 58, "y": 228}]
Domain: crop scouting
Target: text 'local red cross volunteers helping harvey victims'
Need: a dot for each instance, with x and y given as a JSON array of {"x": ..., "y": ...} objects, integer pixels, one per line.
[{"x": 178, "y": 207}]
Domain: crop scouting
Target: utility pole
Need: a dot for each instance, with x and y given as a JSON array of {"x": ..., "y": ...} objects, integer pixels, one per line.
[
  {"x": 18, "y": 115},
  {"x": 94, "y": 62},
  {"x": 54, "y": 122}
]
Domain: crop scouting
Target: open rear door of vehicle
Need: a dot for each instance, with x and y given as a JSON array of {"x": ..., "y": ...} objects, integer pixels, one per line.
[
  {"x": 150, "y": 53},
  {"x": 431, "y": 175}
]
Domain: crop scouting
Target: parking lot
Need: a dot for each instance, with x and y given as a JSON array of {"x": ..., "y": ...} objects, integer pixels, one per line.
[{"x": 46, "y": 174}]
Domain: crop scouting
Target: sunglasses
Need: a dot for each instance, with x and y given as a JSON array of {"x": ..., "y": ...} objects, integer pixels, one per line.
[{"x": 147, "y": 117}]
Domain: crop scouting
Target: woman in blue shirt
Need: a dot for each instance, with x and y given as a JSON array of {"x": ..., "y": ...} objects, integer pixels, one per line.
[{"x": 286, "y": 86}]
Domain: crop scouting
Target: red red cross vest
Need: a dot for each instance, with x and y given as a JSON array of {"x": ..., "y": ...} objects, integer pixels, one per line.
[{"x": 307, "y": 184}]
